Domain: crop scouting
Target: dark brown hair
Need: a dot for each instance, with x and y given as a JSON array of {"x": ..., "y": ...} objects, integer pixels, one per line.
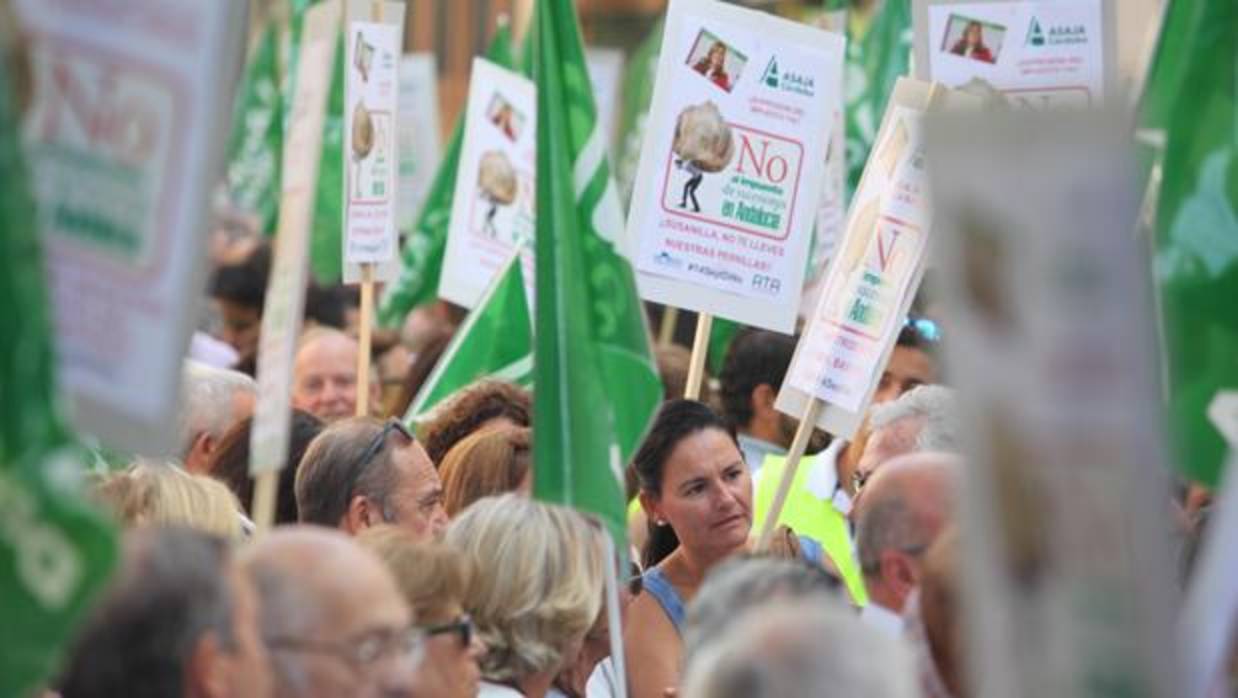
[
  {"x": 462, "y": 413},
  {"x": 230, "y": 463}
]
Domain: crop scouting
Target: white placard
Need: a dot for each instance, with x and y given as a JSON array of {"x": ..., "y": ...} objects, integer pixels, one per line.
[
  {"x": 1065, "y": 521},
  {"x": 126, "y": 134},
  {"x": 1039, "y": 54},
  {"x": 832, "y": 208},
  {"x": 418, "y": 134},
  {"x": 285, "y": 298},
  {"x": 731, "y": 169},
  {"x": 606, "y": 73},
  {"x": 371, "y": 156},
  {"x": 494, "y": 206},
  {"x": 875, "y": 273}
]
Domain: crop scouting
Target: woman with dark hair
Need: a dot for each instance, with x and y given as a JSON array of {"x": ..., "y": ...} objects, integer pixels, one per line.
[
  {"x": 697, "y": 494},
  {"x": 971, "y": 44},
  {"x": 230, "y": 463}
]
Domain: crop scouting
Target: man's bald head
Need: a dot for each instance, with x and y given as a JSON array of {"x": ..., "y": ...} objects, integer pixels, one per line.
[
  {"x": 324, "y": 374},
  {"x": 905, "y": 504},
  {"x": 320, "y": 588}
]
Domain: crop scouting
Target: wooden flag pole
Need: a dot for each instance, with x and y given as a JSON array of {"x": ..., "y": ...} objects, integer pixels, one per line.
[
  {"x": 808, "y": 422},
  {"x": 700, "y": 347},
  {"x": 364, "y": 340},
  {"x": 262, "y": 509},
  {"x": 670, "y": 321},
  {"x": 614, "y": 616}
]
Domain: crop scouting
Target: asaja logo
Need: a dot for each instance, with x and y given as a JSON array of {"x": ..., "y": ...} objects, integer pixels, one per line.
[
  {"x": 1035, "y": 35},
  {"x": 1057, "y": 35},
  {"x": 787, "y": 80},
  {"x": 770, "y": 76}
]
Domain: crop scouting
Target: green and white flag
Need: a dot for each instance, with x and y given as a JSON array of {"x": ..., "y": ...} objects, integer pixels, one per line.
[
  {"x": 495, "y": 341},
  {"x": 256, "y": 145},
  {"x": 875, "y": 61},
  {"x": 597, "y": 384},
  {"x": 55, "y": 551},
  {"x": 1192, "y": 95},
  {"x": 422, "y": 256}
]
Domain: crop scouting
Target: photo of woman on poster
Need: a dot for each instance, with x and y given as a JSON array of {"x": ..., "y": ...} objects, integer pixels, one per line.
[
  {"x": 971, "y": 44},
  {"x": 713, "y": 66}
]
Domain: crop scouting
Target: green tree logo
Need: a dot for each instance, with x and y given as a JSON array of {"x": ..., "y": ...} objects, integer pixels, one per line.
[
  {"x": 770, "y": 76},
  {"x": 1035, "y": 35}
]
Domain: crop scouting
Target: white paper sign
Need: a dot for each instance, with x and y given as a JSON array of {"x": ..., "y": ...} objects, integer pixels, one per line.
[
  {"x": 1038, "y": 54},
  {"x": 370, "y": 105},
  {"x": 418, "y": 134},
  {"x": 131, "y": 108},
  {"x": 731, "y": 170},
  {"x": 1052, "y": 348},
  {"x": 831, "y": 210},
  {"x": 494, "y": 205},
  {"x": 285, "y": 298},
  {"x": 876, "y": 270}
]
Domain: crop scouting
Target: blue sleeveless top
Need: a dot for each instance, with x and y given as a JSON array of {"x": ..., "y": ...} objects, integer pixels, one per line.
[{"x": 656, "y": 583}]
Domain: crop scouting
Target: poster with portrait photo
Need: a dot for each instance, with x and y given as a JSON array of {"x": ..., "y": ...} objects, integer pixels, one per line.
[
  {"x": 1032, "y": 54},
  {"x": 493, "y": 207},
  {"x": 731, "y": 170}
]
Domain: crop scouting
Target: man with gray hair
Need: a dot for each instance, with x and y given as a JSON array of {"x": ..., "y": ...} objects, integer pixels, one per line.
[
  {"x": 922, "y": 419},
  {"x": 797, "y": 649},
  {"x": 212, "y": 401},
  {"x": 332, "y": 618},
  {"x": 906, "y": 504}
]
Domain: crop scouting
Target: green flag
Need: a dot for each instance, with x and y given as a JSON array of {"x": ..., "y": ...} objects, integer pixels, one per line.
[
  {"x": 874, "y": 62},
  {"x": 422, "y": 257},
  {"x": 596, "y": 383},
  {"x": 634, "y": 112},
  {"x": 495, "y": 340},
  {"x": 55, "y": 552},
  {"x": 326, "y": 241},
  {"x": 255, "y": 147},
  {"x": 1192, "y": 95}
]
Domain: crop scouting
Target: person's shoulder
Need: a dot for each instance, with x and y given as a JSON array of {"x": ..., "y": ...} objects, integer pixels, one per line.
[{"x": 646, "y": 618}]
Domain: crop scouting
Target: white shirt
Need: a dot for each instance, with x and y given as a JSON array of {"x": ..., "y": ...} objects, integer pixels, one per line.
[
  {"x": 602, "y": 682},
  {"x": 882, "y": 618},
  {"x": 496, "y": 690},
  {"x": 755, "y": 450}
]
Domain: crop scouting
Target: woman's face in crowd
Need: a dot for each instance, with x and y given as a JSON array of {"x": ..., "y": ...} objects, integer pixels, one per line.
[
  {"x": 449, "y": 668},
  {"x": 707, "y": 493}
]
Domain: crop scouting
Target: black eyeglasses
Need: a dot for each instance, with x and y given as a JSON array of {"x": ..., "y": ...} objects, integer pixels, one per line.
[
  {"x": 373, "y": 449},
  {"x": 928, "y": 330},
  {"x": 462, "y": 626},
  {"x": 361, "y": 652}
]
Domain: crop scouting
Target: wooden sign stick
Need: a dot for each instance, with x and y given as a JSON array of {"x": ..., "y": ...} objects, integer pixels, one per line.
[
  {"x": 700, "y": 347},
  {"x": 808, "y": 422},
  {"x": 364, "y": 339}
]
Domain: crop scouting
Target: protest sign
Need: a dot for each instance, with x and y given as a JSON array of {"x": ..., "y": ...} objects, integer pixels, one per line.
[
  {"x": 730, "y": 173},
  {"x": 285, "y": 298},
  {"x": 493, "y": 207},
  {"x": 871, "y": 284},
  {"x": 832, "y": 208},
  {"x": 1064, "y": 522},
  {"x": 126, "y": 138},
  {"x": 418, "y": 138},
  {"x": 1038, "y": 54},
  {"x": 371, "y": 105}
]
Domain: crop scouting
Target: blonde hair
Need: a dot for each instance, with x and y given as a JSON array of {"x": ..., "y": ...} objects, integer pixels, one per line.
[
  {"x": 431, "y": 576},
  {"x": 537, "y": 583},
  {"x": 157, "y": 493},
  {"x": 487, "y": 463}
]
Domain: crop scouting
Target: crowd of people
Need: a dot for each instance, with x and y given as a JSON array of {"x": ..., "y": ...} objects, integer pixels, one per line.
[{"x": 409, "y": 559}]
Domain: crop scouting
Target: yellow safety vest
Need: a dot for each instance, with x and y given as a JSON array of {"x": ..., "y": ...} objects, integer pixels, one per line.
[{"x": 808, "y": 515}]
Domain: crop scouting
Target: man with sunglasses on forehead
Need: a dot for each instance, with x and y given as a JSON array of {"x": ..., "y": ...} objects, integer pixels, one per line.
[{"x": 360, "y": 472}]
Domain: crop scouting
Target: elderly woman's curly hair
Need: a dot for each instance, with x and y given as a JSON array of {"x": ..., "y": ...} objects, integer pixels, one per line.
[{"x": 537, "y": 583}]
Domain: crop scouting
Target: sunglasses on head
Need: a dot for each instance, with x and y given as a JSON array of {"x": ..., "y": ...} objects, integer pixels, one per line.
[
  {"x": 462, "y": 626},
  {"x": 928, "y": 330},
  {"x": 375, "y": 446}
]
